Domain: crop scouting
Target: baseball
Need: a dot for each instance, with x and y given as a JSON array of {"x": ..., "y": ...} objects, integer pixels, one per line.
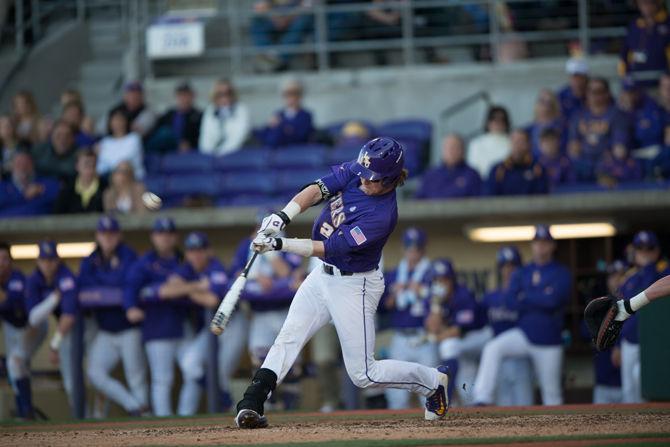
[{"x": 152, "y": 201}]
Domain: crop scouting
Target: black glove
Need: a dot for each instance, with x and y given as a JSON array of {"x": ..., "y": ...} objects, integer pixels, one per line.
[{"x": 599, "y": 317}]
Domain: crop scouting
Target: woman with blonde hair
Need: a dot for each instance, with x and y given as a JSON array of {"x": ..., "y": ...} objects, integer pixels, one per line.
[
  {"x": 546, "y": 115},
  {"x": 225, "y": 122},
  {"x": 124, "y": 194},
  {"x": 26, "y": 116}
]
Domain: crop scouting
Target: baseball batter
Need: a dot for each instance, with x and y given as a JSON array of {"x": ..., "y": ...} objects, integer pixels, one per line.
[{"x": 348, "y": 236}]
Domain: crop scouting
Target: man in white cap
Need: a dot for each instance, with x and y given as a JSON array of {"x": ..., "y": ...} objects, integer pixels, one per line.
[{"x": 573, "y": 95}]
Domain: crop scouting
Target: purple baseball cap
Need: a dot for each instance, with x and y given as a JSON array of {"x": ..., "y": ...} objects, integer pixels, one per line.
[
  {"x": 542, "y": 233},
  {"x": 133, "y": 86},
  {"x": 47, "y": 250},
  {"x": 108, "y": 223},
  {"x": 196, "y": 240},
  {"x": 645, "y": 239},
  {"x": 443, "y": 268}
]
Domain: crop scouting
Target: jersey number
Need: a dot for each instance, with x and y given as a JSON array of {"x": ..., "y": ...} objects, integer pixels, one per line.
[{"x": 326, "y": 230}]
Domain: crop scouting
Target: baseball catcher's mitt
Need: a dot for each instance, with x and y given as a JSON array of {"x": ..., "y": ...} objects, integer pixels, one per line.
[{"x": 599, "y": 317}]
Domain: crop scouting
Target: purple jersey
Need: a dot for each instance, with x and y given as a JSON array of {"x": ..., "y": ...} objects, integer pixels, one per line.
[
  {"x": 353, "y": 226},
  {"x": 596, "y": 134},
  {"x": 455, "y": 181},
  {"x": 461, "y": 310},
  {"x": 410, "y": 313},
  {"x": 570, "y": 103},
  {"x": 499, "y": 316},
  {"x": 540, "y": 294},
  {"x": 215, "y": 273},
  {"x": 559, "y": 170},
  {"x": 37, "y": 289},
  {"x": 95, "y": 272},
  {"x": 636, "y": 283},
  {"x": 13, "y": 307}
]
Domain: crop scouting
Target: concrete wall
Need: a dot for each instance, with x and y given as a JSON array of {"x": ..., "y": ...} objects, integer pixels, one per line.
[{"x": 51, "y": 66}]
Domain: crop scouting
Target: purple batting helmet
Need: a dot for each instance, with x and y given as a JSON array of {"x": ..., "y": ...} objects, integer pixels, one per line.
[{"x": 380, "y": 159}]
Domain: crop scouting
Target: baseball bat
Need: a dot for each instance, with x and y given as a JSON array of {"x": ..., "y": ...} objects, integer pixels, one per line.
[{"x": 229, "y": 302}]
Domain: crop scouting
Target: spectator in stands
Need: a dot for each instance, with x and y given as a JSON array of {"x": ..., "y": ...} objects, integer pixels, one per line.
[
  {"x": 133, "y": 105},
  {"x": 353, "y": 134},
  {"x": 82, "y": 194},
  {"x": 179, "y": 127},
  {"x": 493, "y": 145},
  {"x": 660, "y": 165},
  {"x": 547, "y": 116},
  {"x": 645, "y": 115},
  {"x": 645, "y": 49},
  {"x": 558, "y": 166},
  {"x": 120, "y": 144},
  {"x": 124, "y": 194},
  {"x": 9, "y": 145},
  {"x": 24, "y": 194},
  {"x": 518, "y": 174},
  {"x": 225, "y": 122},
  {"x": 664, "y": 96},
  {"x": 288, "y": 29},
  {"x": 69, "y": 95},
  {"x": 595, "y": 129},
  {"x": 293, "y": 123},
  {"x": 454, "y": 178},
  {"x": 57, "y": 157},
  {"x": 572, "y": 97},
  {"x": 26, "y": 116},
  {"x": 73, "y": 114},
  {"x": 617, "y": 166}
]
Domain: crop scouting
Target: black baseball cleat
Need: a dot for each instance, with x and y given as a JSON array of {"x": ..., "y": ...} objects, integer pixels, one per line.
[{"x": 250, "y": 419}]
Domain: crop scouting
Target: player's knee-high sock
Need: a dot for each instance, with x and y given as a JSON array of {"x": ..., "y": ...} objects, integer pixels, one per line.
[
  {"x": 453, "y": 371},
  {"x": 24, "y": 398},
  {"x": 263, "y": 383}
]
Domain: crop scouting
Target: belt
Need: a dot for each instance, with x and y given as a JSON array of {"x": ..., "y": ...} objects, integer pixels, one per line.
[{"x": 330, "y": 270}]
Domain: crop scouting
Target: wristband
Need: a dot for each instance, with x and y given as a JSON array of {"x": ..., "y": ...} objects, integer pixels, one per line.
[
  {"x": 282, "y": 215},
  {"x": 56, "y": 341},
  {"x": 626, "y": 305},
  {"x": 278, "y": 244},
  {"x": 291, "y": 210}
]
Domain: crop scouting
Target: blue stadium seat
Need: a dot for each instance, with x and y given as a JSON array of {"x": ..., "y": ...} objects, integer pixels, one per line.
[
  {"x": 246, "y": 159},
  {"x": 252, "y": 200},
  {"x": 297, "y": 157},
  {"x": 417, "y": 129},
  {"x": 340, "y": 154},
  {"x": 155, "y": 184},
  {"x": 189, "y": 162},
  {"x": 152, "y": 162},
  {"x": 414, "y": 156},
  {"x": 194, "y": 184},
  {"x": 291, "y": 181},
  {"x": 244, "y": 183}
]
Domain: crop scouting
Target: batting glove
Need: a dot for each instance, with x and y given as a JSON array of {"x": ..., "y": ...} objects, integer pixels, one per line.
[
  {"x": 273, "y": 224},
  {"x": 263, "y": 244}
]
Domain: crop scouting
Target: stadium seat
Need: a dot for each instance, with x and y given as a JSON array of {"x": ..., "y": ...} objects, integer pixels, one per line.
[
  {"x": 417, "y": 129},
  {"x": 155, "y": 184},
  {"x": 340, "y": 154},
  {"x": 193, "y": 184},
  {"x": 251, "y": 200},
  {"x": 190, "y": 162},
  {"x": 297, "y": 157},
  {"x": 242, "y": 183},
  {"x": 415, "y": 160},
  {"x": 246, "y": 159},
  {"x": 291, "y": 181}
]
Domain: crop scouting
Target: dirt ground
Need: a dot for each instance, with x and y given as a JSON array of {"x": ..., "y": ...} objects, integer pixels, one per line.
[{"x": 465, "y": 424}]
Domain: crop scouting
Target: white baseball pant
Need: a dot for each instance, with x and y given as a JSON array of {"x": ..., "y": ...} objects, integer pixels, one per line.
[
  {"x": 351, "y": 302},
  {"x": 515, "y": 383},
  {"x": 231, "y": 346},
  {"x": 631, "y": 384},
  {"x": 547, "y": 362},
  {"x": 104, "y": 354},
  {"x": 409, "y": 348},
  {"x": 603, "y": 394}
]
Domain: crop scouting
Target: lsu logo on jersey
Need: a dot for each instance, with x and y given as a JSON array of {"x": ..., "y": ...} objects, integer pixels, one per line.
[
  {"x": 66, "y": 284},
  {"x": 337, "y": 216}
]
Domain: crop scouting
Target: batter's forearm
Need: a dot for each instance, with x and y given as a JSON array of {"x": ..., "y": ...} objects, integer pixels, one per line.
[
  {"x": 659, "y": 289},
  {"x": 306, "y": 198},
  {"x": 302, "y": 247}
]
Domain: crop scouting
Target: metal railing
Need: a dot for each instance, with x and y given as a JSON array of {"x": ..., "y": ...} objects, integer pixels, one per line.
[{"x": 490, "y": 29}]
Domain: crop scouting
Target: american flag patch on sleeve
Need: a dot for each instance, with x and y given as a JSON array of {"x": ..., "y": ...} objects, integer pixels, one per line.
[{"x": 358, "y": 235}]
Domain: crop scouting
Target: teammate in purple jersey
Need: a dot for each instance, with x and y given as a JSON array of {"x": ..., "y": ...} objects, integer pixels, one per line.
[{"x": 348, "y": 236}]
